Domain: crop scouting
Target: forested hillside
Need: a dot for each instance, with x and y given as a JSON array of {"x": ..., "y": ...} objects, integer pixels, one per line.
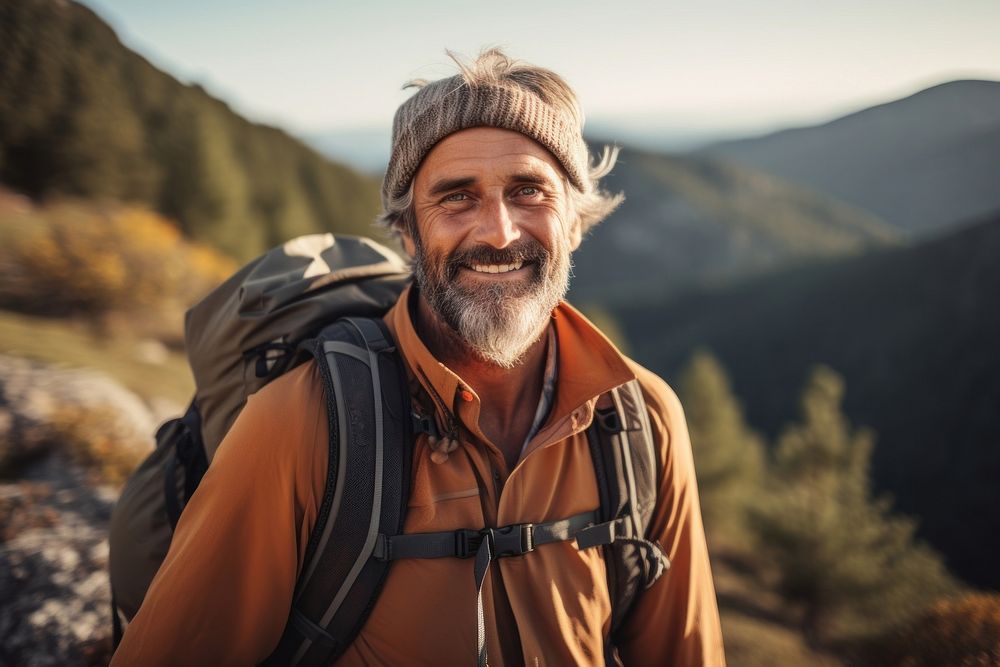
[
  {"x": 914, "y": 331},
  {"x": 82, "y": 115},
  {"x": 691, "y": 220}
]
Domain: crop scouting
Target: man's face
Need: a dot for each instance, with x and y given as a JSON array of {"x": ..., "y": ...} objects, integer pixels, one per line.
[{"x": 493, "y": 239}]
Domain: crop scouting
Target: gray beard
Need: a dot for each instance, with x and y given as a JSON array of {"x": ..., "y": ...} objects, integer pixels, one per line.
[{"x": 498, "y": 322}]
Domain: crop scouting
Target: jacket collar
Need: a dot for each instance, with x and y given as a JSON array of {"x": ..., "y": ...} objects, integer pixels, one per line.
[{"x": 589, "y": 364}]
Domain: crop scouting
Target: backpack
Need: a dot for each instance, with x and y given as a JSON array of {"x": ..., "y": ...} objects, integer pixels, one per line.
[{"x": 321, "y": 297}]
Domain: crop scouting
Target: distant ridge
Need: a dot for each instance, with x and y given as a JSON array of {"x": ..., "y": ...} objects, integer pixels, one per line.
[
  {"x": 82, "y": 115},
  {"x": 914, "y": 331},
  {"x": 920, "y": 162},
  {"x": 692, "y": 220}
]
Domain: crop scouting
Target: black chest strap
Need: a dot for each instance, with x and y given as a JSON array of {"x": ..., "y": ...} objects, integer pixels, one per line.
[
  {"x": 514, "y": 540},
  {"x": 488, "y": 544}
]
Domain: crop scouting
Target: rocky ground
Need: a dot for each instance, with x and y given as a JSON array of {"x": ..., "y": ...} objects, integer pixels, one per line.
[
  {"x": 53, "y": 567},
  {"x": 54, "y": 510}
]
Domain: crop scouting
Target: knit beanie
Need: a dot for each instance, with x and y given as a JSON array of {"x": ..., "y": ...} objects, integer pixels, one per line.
[{"x": 469, "y": 99}]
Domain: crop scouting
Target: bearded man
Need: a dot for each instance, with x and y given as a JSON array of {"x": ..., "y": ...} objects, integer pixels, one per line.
[{"x": 491, "y": 188}]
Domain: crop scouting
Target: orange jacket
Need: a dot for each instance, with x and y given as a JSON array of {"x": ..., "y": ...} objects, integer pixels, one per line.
[{"x": 223, "y": 594}]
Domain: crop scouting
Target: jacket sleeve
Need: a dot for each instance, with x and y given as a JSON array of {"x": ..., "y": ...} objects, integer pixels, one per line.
[
  {"x": 676, "y": 621},
  {"x": 223, "y": 593}
]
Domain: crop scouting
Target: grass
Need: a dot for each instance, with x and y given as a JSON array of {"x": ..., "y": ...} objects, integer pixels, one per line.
[
  {"x": 753, "y": 642},
  {"x": 76, "y": 345}
]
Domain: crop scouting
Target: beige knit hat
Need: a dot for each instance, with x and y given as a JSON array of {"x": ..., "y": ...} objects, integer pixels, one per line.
[{"x": 492, "y": 91}]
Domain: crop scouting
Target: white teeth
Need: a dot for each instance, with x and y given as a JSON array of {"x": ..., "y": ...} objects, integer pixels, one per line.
[{"x": 496, "y": 268}]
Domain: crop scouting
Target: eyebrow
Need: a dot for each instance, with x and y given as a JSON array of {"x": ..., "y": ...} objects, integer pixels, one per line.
[
  {"x": 533, "y": 177},
  {"x": 449, "y": 184}
]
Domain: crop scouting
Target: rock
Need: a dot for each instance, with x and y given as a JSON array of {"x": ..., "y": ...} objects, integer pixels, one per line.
[
  {"x": 32, "y": 395},
  {"x": 151, "y": 351},
  {"x": 34, "y": 390},
  {"x": 53, "y": 571}
]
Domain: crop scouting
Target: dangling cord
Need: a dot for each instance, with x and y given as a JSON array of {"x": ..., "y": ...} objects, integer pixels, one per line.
[{"x": 484, "y": 556}]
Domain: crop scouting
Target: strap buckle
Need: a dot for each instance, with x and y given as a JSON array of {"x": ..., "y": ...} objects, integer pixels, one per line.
[{"x": 515, "y": 540}]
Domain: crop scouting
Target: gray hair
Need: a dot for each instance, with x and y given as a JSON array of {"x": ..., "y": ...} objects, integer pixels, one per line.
[{"x": 589, "y": 205}]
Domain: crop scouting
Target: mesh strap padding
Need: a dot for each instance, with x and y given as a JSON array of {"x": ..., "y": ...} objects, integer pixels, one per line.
[{"x": 366, "y": 491}]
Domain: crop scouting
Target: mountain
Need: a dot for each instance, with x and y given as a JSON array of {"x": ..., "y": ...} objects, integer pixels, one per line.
[
  {"x": 914, "y": 330},
  {"x": 689, "y": 220},
  {"x": 919, "y": 163},
  {"x": 81, "y": 115}
]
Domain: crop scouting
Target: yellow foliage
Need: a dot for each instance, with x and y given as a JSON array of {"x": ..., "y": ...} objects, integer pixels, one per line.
[
  {"x": 74, "y": 258},
  {"x": 98, "y": 439},
  {"x": 963, "y": 632}
]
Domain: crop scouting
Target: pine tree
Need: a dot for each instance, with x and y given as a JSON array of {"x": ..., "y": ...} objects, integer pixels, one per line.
[
  {"x": 853, "y": 566},
  {"x": 728, "y": 455}
]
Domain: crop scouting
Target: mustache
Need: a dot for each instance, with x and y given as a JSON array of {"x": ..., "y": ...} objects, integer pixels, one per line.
[{"x": 525, "y": 251}]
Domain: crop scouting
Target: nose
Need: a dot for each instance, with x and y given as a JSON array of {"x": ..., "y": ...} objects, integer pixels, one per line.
[{"x": 494, "y": 225}]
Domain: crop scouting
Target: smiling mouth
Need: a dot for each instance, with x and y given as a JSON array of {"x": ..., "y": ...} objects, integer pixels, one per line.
[{"x": 495, "y": 268}]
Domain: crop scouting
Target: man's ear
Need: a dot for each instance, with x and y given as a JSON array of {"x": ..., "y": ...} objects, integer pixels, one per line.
[
  {"x": 408, "y": 245},
  {"x": 575, "y": 234}
]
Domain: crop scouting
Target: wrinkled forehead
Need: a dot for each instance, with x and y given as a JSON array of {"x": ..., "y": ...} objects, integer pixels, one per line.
[{"x": 488, "y": 155}]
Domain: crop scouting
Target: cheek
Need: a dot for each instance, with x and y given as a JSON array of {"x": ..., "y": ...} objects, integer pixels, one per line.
[
  {"x": 431, "y": 261},
  {"x": 438, "y": 232},
  {"x": 562, "y": 231}
]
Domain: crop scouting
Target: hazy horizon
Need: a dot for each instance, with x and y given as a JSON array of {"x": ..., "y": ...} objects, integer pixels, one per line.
[{"x": 721, "y": 68}]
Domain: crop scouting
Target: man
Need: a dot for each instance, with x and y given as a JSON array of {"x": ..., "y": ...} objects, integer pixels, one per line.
[{"x": 490, "y": 187}]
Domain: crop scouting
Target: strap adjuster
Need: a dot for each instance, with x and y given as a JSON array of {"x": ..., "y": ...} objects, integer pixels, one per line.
[
  {"x": 467, "y": 542},
  {"x": 609, "y": 420},
  {"x": 424, "y": 424}
]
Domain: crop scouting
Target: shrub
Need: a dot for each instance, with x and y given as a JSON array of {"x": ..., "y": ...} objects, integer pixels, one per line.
[
  {"x": 853, "y": 566},
  {"x": 963, "y": 632},
  {"x": 98, "y": 439},
  {"x": 728, "y": 454},
  {"x": 81, "y": 259}
]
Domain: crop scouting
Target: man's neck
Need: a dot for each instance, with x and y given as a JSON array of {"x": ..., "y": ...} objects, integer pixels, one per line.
[{"x": 509, "y": 396}]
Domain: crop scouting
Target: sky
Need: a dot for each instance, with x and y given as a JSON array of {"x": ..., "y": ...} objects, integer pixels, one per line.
[{"x": 700, "y": 65}]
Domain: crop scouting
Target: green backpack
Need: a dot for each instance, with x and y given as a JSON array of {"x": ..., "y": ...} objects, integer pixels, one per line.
[{"x": 322, "y": 297}]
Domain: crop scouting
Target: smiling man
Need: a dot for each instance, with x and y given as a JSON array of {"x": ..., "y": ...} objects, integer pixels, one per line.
[
  {"x": 491, "y": 258},
  {"x": 491, "y": 188}
]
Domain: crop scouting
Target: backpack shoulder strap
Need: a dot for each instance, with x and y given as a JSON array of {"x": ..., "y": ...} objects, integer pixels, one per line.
[
  {"x": 367, "y": 489},
  {"x": 627, "y": 470}
]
